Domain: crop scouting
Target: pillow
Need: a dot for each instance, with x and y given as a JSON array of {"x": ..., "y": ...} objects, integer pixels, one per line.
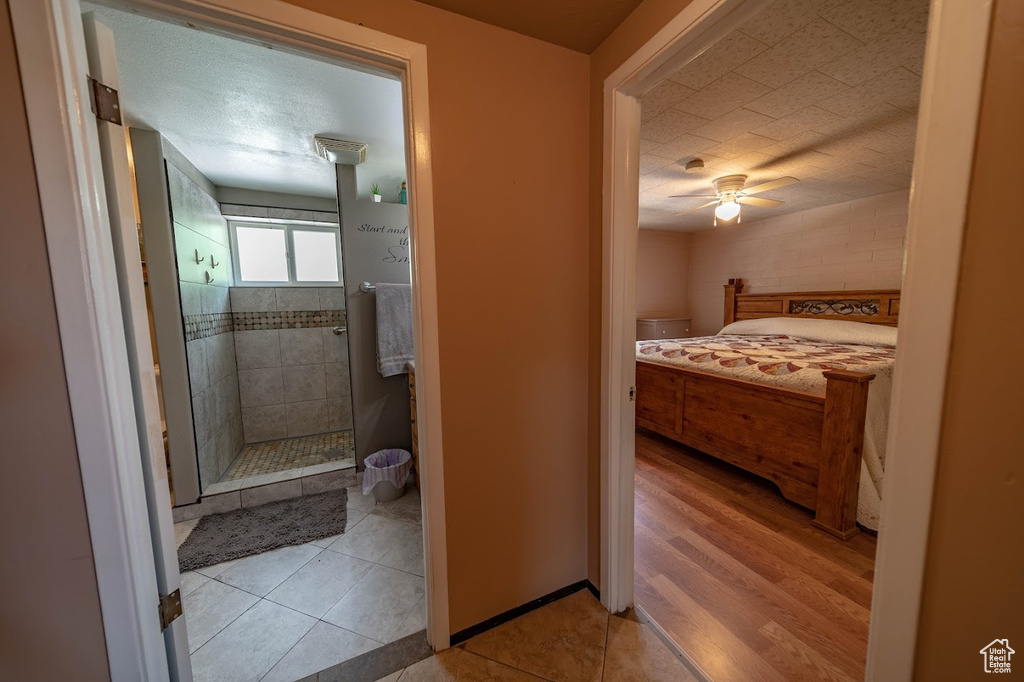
[{"x": 829, "y": 331}]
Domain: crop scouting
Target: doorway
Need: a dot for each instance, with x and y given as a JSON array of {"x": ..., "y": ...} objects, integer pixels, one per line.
[
  {"x": 939, "y": 196},
  {"x": 119, "y": 476}
]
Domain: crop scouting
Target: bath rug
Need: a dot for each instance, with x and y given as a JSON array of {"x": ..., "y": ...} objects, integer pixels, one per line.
[{"x": 243, "y": 532}]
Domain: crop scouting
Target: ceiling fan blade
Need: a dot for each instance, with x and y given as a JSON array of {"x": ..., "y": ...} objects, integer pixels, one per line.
[
  {"x": 693, "y": 196},
  {"x": 710, "y": 203},
  {"x": 845, "y": 132},
  {"x": 765, "y": 186},
  {"x": 759, "y": 201}
]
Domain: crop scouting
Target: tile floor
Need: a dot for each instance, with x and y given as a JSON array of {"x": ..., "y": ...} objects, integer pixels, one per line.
[
  {"x": 571, "y": 640},
  {"x": 291, "y": 453},
  {"x": 289, "y": 613}
]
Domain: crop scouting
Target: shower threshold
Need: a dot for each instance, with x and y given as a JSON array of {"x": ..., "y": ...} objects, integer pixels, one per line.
[{"x": 278, "y": 470}]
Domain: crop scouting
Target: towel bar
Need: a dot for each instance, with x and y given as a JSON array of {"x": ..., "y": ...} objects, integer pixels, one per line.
[{"x": 366, "y": 287}]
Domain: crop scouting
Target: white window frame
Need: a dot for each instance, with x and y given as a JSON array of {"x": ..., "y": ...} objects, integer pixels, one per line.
[{"x": 289, "y": 245}]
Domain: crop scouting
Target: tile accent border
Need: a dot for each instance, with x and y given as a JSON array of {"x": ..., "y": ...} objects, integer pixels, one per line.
[
  {"x": 211, "y": 324},
  {"x": 206, "y": 325},
  {"x": 288, "y": 319}
]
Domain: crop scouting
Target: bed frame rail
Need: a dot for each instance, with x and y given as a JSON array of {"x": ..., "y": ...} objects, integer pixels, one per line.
[{"x": 809, "y": 445}]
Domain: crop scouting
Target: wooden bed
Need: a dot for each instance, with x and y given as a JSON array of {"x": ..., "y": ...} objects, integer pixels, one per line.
[{"x": 809, "y": 445}]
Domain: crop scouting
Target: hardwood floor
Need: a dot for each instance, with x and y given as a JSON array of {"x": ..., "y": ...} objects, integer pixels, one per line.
[{"x": 739, "y": 578}]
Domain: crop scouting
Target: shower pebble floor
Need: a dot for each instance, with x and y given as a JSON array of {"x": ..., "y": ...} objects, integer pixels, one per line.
[
  {"x": 291, "y": 612},
  {"x": 281, "y": 460}
]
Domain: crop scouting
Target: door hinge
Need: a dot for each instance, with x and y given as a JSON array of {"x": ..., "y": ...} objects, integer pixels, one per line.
[
  {"x": 170, "y": 608},
  {"x": 105, "y": 102},
  {"x": 632, "y": 394}
]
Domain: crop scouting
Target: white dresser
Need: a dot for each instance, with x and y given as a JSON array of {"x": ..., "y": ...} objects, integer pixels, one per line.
[{"x": 648, "y": 328}]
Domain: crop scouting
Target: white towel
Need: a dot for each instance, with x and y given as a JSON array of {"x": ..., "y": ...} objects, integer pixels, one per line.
[{"x": 394, "y": 328}]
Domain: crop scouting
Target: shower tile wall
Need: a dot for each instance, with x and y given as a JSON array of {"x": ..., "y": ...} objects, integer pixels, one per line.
[
  {"x": 293, "y": 373},
  {"x": 201, "y": 233}
]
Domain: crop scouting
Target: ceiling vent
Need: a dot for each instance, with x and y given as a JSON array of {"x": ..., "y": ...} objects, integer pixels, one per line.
[{"x": 340, "y": 151}]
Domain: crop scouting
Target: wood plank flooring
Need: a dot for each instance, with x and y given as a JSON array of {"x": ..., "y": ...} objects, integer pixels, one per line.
[{"x": 739, "y": 578}]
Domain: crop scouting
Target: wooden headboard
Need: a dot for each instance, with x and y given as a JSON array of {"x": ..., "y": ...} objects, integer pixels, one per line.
[{"x": 881, "y": 306}]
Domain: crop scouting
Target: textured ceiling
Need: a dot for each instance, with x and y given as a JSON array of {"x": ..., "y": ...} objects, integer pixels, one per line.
[
  {"x": 245, "y": 115},
  {"x": 825, "y": 91},
  {"x": 580, "y": 25}
]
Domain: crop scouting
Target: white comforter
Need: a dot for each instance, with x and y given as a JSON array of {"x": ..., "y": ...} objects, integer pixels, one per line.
[{"x": 794, "y": 352}]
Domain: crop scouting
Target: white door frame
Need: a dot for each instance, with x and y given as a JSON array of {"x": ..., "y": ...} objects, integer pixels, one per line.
[
  {"x": 48, "y": 36},
  {"x": 950, "y": 100}
]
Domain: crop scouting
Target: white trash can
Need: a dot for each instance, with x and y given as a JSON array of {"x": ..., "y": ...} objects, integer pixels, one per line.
[{"x": 386, "y": 473}]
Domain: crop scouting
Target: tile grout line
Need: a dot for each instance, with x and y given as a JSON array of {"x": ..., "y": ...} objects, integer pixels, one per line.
[
  {"x": 370, "y": 565},
  {"x": 318, "y": 619},
  {"x": 271, "y": 668},
  {"x": 217, "y": 578},
  {"x": 604, "y": 653},
  {"x": 494, "y": 660},
  {"x": 203, "y": 645}
]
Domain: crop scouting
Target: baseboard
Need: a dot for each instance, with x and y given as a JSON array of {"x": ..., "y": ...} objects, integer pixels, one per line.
[{"x": 474, "y": 630}]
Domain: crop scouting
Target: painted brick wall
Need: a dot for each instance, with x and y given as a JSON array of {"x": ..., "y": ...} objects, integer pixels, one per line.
[
  {"x": 851, "y": 245},
  {"x": 661, "y": 274}
]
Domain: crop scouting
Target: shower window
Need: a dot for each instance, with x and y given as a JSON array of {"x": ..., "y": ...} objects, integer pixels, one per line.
[{"x": 283, "y": 254}]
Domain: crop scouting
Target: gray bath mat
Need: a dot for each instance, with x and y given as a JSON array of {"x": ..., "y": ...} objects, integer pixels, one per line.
[{"x": 243, "y": 532}]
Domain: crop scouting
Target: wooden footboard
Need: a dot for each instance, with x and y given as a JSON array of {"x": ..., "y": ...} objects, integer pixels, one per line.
[{"x": 810, "y": 446}]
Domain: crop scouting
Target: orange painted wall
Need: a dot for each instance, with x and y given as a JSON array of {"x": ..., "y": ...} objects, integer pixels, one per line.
[
  {"x": 50, "y": 625},
  {"x": 974, "y": 581},
  {"x": 510, "y": 160}
]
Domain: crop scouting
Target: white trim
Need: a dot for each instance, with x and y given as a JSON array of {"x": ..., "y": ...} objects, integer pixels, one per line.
[
  {"x": 51, "y": 54},
  {"x": 683, "y": 38},
  {"x": 957, "y": 43},
  {"x": 618, "y": 308},
  {"x": 65, "y": 146},
  {"x": 958, "y": 32}
]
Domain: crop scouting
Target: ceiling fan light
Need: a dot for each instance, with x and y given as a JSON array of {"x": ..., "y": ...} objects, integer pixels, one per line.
[{"x": 727, "y": 210}]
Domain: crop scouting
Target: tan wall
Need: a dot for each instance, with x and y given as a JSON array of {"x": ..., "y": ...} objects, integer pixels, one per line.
[
  {"x": 509, "y": 144},
  {"x": 662, "y": 260},
  {"x": 646, "y": 20},
  {"x": 50, "y": 627},
  {"x": 974, "y": 581},
  {"x": 846, "y": 246}
]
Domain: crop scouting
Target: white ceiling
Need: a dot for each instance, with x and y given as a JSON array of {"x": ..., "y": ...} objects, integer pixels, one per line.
[
  {"x": 245, "y": 114},
  {"x": 825, "y": 91}
]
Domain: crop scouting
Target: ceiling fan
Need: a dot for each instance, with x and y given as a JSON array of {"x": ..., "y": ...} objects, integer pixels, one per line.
[{"x": 730, "y": 193}]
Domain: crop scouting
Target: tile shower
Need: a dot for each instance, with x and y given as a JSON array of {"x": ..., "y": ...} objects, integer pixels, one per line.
[
  {"x": 265, "y": 364},
  {"x": 293, "y": 380},
  {"x": 270, "y": 380},
  {"x": 254, "y": 380},
  {"x": 268, "y": 373}
]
